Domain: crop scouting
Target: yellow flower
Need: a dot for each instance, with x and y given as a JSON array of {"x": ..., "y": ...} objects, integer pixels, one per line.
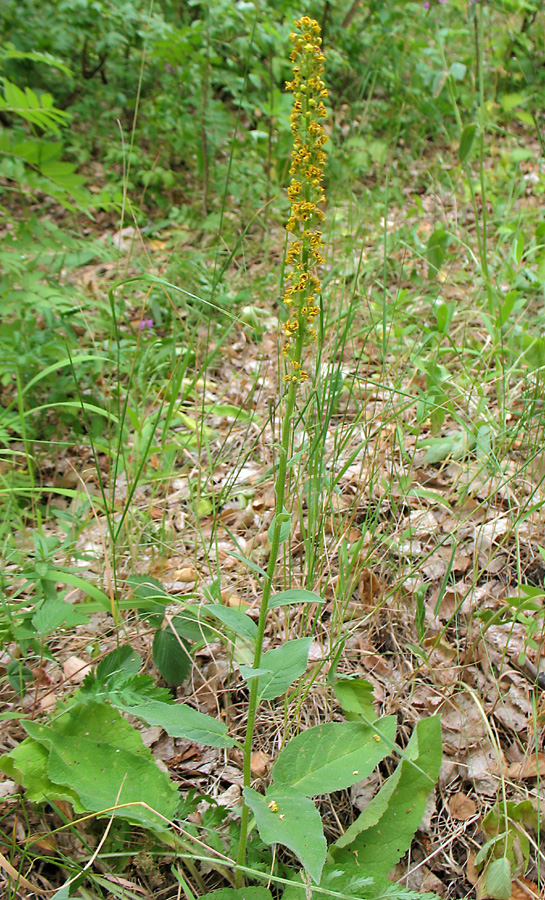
[{"x": 305, "y": 193}]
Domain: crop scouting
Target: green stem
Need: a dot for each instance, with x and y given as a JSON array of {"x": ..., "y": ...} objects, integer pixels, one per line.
[{"x": 280, "y": 489}]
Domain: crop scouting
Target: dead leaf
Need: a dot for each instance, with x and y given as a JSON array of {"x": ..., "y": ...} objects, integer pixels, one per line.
[
  {"x": 186, "y": 574},
  {"x": 75, "y": 669},
  {"x": 7, "y": 788},
  {"x": 259, "y": 763},
  {"x": 462, "y": 807},
  {"x": 232, "y": 599},
  {"x": 528, "y": 768},
  {"x": 230, "y": 798},
  {"x": 47, "y": 702},
  {"x": 524, "y": 889},
  {"x": 370, "y": 589}
]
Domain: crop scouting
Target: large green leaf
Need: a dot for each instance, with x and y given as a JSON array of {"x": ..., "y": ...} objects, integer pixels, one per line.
[
  {"x": 180, "y": 720},
  {"x": 383, "y": 832},
  {"x": 171, "y": 656},
  {"x": 106, "y": 777},
  {"x": 284, "y": 664},
  {"x": 285, "y": 816},
  {"x": 334, "y": 756},
  {"x": 27, "y": 765},
  {"x": 107, "y": 768}
]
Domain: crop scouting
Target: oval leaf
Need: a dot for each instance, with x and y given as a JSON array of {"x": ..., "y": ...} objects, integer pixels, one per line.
[
  {"x": 334, "y": 756},
  {"x": 466, "y": 141},
  {"x": 285, "y": 664},
  {"x": 294, "y": 596},
  {"x": 499, "y": 883},
  {"x": 285, "y": 816},
  {"x": 171, "y": 656}
]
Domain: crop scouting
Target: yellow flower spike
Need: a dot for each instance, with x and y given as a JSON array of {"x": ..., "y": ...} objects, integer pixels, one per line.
[
  {"x": 305, "y": 192},
  {"x": 301, "y": 297}
]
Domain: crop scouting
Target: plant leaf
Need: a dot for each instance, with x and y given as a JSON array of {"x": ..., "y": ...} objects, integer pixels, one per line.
[
  {"x": 285, "y": 664},
  {"x": 27, "y": 765},
  {"x": 499, "y": 883},
  {"x": 55, "y": 614},
  {"x": 466, "y": 141},
  {"x": 384, "y": 830},
  {"x": 284, "y": 520},
  {"x": 334, "y": 756},
  {"x": 180, "y": 720},
  {"x": 285, "y": 816},
  {"x": 122, "y": 659},
  {"x": 171, "y": 656},
  {"x": 294, "y": 596},
  {"x": 107, "y": 768},
  {"x": 237, "y": 621},
  {"x": 356, "y": 698}
]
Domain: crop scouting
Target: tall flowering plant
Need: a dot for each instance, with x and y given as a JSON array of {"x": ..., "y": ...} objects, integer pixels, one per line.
[{"x": 301, "y": 297}]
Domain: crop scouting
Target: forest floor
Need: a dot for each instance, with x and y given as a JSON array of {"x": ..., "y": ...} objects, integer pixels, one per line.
[{"x": 417, "y": 499}]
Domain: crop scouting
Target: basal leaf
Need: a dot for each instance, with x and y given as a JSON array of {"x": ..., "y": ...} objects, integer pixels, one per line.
[
  {"x": 106, "y": 777},
  {"x": 334, "y": 756},
  {"x": 27, "y": 765},
  {"x": 285, "y": 664},
  {"x": 93, "y": 751},
  {"x": 180, "y": 720},
  {"x": 285, "y": 816},
  {"x": 171, "y": 656},
  {"x": 245, "y": 893},
  {"x": 384, "y": 830},
  {"x": 94, "y": 719}
]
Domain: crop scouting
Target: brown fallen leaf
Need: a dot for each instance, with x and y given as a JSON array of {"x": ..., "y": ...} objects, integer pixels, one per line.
[
  {"x": 524, "y": 889},
  {"x": 462, "y": 807},
  {"x": 232, "y": 599},
  {"x": 47, "y": 702},
  {"x": 186, "y": 574},
  {"x": 259, "y": 763},
  {"x": 75, "y": 669},
  {"x": 528, "y": 768}
]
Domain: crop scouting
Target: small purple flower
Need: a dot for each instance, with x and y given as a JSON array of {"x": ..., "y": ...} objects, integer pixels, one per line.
[
  {"x": 146, "y": 324},
  {"x": 170, "y": 68}
]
